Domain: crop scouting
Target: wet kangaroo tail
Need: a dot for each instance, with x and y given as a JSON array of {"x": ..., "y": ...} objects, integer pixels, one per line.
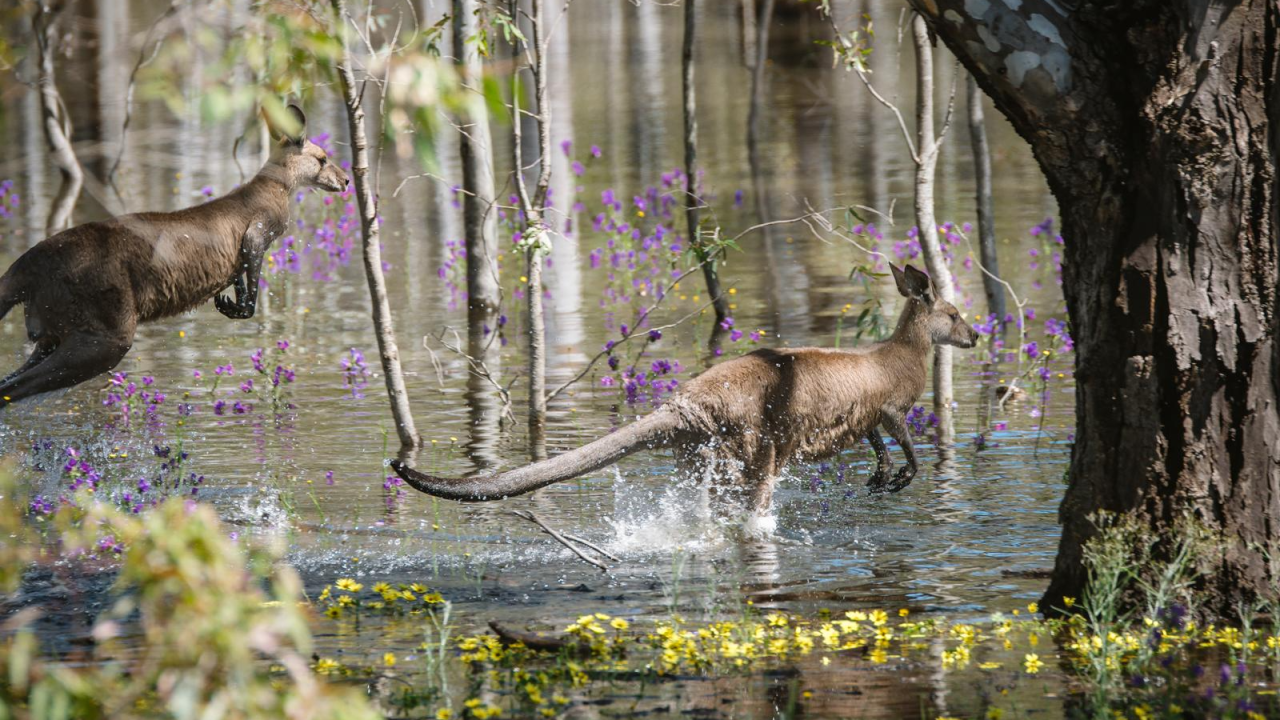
[{"x": 652, "y": 431}]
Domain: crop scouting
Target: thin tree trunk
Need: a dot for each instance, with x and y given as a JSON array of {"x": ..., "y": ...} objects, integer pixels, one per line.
[
  {"x": 773, "y": 286},
  {"x": 480, "y": 220},
  {"x": 928, "y": 146},
  {"x": 367, "y": 202},
  {"x": 537, "y": 236},
  {"x": 1156, "y": 126},
  {"x": 986, "y": 206},
  {"x": 57, "y": 127},
  {"x": 692, "y": 201},
  {"x": 480, "y": 228}
]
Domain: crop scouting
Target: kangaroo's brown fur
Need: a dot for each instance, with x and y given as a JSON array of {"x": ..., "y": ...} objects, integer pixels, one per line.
[
  {"x": 86, "y": 289},
  {"x": 747, "y": 418}
]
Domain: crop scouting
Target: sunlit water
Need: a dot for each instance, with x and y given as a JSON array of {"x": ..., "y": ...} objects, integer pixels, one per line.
[{"x": 960, "y": 539}]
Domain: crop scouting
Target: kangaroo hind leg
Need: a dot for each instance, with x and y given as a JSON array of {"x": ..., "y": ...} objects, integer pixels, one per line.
[
  {"x": 884, "y": 464},
  {"x": 79, "y": 357},
  {"x": 43, "y": 349}
]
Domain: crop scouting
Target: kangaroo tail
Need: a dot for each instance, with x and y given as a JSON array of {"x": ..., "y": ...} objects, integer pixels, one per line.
[{"x": 652, "y": 431}]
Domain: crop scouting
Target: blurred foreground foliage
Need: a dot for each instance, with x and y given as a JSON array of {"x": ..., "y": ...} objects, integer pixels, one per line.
[{"x": 224, "y": 631}]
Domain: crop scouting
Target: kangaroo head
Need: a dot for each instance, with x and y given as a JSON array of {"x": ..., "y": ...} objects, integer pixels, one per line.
[
  {"x": 939, "y": 318},
  {"x": 299, "y": 162}
]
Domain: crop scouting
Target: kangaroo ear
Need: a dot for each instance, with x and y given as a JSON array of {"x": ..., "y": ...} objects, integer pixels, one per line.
[
  {"x": 900, "y": 280},
  {"x": 288, "y": 125},
  {"x": 918, "y": 284}
]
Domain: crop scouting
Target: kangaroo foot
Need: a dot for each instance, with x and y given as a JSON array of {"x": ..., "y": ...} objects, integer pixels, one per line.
[
  {"x": 901, "y": 479},
  {"x": 878, "y": 481},
  {"x": 233, "y": 309}
]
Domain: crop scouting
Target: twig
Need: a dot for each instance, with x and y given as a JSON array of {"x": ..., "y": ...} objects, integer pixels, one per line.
[
  {"x": 531, "y": 517},
  {"x": 478, "y": 368},
  {"x": 633, "y": 330},
  {"x": 593, "y": 546},
  {"x": 862, "y": 75},
  {"x": 143, "y": 61}
]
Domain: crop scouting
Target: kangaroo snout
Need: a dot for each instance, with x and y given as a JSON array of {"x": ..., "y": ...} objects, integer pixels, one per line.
[{"x": 336, "y": 181}]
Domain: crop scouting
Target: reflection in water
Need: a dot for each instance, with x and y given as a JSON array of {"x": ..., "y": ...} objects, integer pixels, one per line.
[
  {"x": 974, "y": 510},
  {"x": 760, "y": 190}
]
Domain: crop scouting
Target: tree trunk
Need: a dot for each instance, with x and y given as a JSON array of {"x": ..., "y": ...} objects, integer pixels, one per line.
[
  {"x": 986, "y": 206},
  {"x": 57, "y": 127},
  {"x": 367, "y": 202},
  {"x": 759, "y": 186},
  {"x": 692, "y": 201},
  {"x": 927, "y": 147},
  {"x": 1155, "y": 124},
  {"x": 480, "y": 220},
  {"x": 536, "y": 236}
]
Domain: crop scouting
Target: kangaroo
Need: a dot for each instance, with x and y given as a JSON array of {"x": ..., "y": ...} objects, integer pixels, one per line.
[
  {"x": 748, "y": 417},
  {"x": 86, "y": 289}
]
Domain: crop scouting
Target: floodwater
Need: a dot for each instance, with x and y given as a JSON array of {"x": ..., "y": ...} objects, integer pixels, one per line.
[{"x": 963, "y": 539}]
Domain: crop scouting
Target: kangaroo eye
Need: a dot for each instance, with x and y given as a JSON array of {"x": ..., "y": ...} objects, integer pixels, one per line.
[{"x": 323, "y": 161}]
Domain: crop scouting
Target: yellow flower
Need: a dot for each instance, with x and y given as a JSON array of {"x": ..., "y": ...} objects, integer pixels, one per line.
[
  {"x": 1033, "y": 608},
  {"x": 619, "y": 624},
  {"x": 389, "y": 659},
  {"x": 1032, "y": 663},
  {"x": 879, "y": 617},
  {"x": 349, "y": 585},
  {"x": 326, "y": 666},
  {"x": 444, "y": 714},
  {"x": 1068, "y": 601},
  {"x": 903, "y": 612},
  {"x": 381, "y": 588}
]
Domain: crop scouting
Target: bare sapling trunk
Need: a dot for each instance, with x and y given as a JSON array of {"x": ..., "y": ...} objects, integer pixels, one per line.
[
  {"x": 480, "y": 219},
  {"x": 985, "y": 204},
  {"x": 692, "y": 201},
  {"x": 367, "y": 202},
  {"x": 57, "y": 126},
  {"x": 480, "y": 225},
  {"x": 536, "y": 237},
  {"x": 928, "y": 146}
]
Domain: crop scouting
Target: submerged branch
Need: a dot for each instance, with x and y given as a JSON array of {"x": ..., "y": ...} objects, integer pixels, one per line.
[{"x": 533, "y": 518}]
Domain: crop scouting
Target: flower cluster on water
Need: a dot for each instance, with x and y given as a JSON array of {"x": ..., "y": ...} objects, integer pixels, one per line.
[
  {"x": 348, "y": 597},
  {"x": 111, "y": 478}
]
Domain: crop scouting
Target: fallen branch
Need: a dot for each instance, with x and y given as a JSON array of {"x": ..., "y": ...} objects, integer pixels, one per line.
[
  {"x": 538, "y": 641},
  {"x": 531, "y": 517}
]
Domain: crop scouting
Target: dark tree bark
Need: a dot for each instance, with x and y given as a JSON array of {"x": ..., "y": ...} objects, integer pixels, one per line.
[
  {"x": 984, "y": 202},
  {"x": 692, "y": 201},
  {"x": 1156, "y": 126}
]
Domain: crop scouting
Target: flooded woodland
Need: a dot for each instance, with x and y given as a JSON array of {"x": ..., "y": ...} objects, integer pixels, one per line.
[{"x": 275, "y": 431}]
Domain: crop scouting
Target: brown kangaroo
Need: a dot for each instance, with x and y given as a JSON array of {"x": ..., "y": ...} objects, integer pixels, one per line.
[
  {"x": 86, "y": 289},
  {"x": 745, "y": 419}
]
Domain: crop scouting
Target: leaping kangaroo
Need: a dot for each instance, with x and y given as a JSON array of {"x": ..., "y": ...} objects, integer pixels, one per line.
[
  {"x": 748, "y": 417},
  {"x": 86, "y": 289}
]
